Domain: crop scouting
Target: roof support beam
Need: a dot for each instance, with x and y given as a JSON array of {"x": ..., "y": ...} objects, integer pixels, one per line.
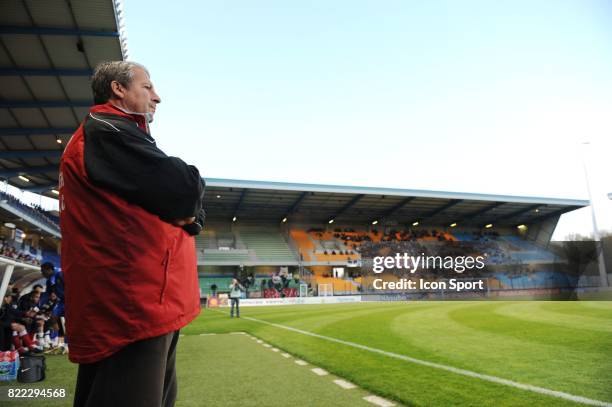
[
  {"x": 239, "y": 204},
  {"x": 13, "y": 172},
  {"x": 44, "y": 72},
  {"x": 297, "y": 203},
  {"x": 30, "y": 153},
  {"x": 481, "y": 211},
  {"x": 346, "y": 207},
  {"x": 394, "y": 209},
  {"x": 519, "y": 212},
  {"x": 438, "y": 211},
  {"x": 556, "y": 213},
  {"x": 12, "y": 104},
  {"x": 35, "y": 131},
  {"x": 8, "y": 29}
]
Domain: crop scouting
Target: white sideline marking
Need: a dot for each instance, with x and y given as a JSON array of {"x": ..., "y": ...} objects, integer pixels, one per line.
[
  {"x": 236, "y": 333},
  {"x": 301, "y": 362},
  {"x": 207, "y": 334},
  {"x": 259, "y": 341},
  {"x": 267, "y": 345},
  {"x": 319, "y": 372},
  {"x": 463, "y": 372},
  {"x": 344, "y": 384},
  {"x": 274, "y": 350},
  {"x": 286, "y": 355},
  {"x": 379, "y": 401},
  {"x": 181, "y": 335}
]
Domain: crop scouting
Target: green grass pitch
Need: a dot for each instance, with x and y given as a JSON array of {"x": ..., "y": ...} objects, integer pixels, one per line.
[{"x": 562, "y": 346}]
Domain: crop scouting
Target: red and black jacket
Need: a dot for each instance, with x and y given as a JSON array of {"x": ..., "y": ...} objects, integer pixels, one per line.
[{"x": 129, "y": 273}]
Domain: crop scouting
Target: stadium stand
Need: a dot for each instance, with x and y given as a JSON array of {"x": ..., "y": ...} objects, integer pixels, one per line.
[
  {"x": 35, "y": 214},
  {"x": 8, "y": 250},
  {"x": 512, "y": 262},
  {"x": 268, "y": 245},
  {"x": 244, "y": 246}
]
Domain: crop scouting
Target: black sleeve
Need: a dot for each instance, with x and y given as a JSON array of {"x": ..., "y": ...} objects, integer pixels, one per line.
[
  {"x": 196, "y": 227},
  {"x": 23, "y": 305},
  {"x": 17, "y": 314},
  {"x": 124, "y": 159}
]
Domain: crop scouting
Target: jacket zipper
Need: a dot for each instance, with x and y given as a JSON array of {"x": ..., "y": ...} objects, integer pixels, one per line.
[{"x": 166, "y": 262}]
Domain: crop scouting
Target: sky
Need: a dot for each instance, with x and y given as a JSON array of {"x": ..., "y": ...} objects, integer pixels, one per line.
[{"x": 470, "y": 96}]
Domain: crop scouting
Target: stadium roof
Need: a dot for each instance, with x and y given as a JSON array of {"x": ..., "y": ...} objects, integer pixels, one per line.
[
  {"x": 47, "y": 52},
  {"x": 314, "y": 203}
]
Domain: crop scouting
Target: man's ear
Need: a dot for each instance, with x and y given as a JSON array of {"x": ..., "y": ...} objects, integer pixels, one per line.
[{"x": 118, "y": 90}]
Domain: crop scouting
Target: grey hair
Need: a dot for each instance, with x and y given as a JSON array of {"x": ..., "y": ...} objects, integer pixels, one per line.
[{"x": 107, "y": 72}]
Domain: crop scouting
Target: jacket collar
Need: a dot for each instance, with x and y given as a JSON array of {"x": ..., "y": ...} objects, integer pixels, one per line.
[{"x": 112, "y": 109}]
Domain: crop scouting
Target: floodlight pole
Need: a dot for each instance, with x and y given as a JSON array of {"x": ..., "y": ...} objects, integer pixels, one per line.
[{"x": 603, "y": 276}]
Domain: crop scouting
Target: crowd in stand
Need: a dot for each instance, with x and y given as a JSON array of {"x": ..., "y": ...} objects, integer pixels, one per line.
[
  {"x": 278, "y": 285},
  {"x": 9, "y": 251},
  {"x": 34, "y": 211},
  {"x": 352, "y": 238},
  {"x": 48, "y": 214},
  {"x": 339, "y": 252},
  {"x": 412, "y": 235},
  {"x": 485, "y": 235},
  {"x": 30, "y": 323}
]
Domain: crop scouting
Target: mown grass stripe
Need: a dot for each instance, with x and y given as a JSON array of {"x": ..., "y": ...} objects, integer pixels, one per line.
[{"x": 464, "y": 372}]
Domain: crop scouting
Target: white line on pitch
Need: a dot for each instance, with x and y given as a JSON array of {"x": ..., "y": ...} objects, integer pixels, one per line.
[
  {"x": 274, "y": 350},
  {"x": 259, "y": 341},
  {"x": 463, "y": 372},
  {"x": 236, "y": 333},
  {"x": 379, "y": 401},
  {"x": 344, "y": 384},
  {"x": 301, "y": 362},
  {"x": 319, "y": 372},
  {"x": 286, "y": 355},
  {"x": 207, "y": 334},
  {"x": 267, "y": 345}
]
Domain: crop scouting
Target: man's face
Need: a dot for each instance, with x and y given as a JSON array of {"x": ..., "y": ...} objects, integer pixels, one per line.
[
  {"x": 36, "y": 297},
  {"x": 140, "y": 96}
]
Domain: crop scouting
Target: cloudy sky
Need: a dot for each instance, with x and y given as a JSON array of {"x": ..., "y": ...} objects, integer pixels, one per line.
[{"x": 470, "y": 96}]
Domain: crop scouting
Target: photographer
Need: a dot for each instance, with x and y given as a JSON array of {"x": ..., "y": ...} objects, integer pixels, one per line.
[{"x": 235, "y": 292}]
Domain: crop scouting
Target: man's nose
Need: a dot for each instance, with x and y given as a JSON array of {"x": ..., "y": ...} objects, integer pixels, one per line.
[{"x": 156, "y": 97}]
